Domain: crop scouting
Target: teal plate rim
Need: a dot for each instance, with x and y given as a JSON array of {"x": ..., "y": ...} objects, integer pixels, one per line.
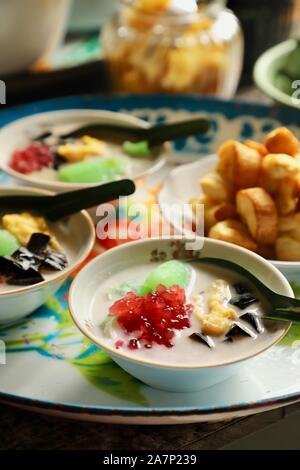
[
  {"x": 105, "y": 410},
  {"x": 230, "y": 108}
]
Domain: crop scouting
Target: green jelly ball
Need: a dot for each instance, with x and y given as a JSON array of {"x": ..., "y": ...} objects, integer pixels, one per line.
[
  {"x": 92, "y": 171},
  {"x": 168, "y": 274},
  {"x": 137, "y": 149},
  {"x": 8, "y": 243}
]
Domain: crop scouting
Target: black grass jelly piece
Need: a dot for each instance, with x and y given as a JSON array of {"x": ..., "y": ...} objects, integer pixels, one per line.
[
  {"x": 239, "y": 329},
  {"x": 228, "y": 340},
  {"x": 22, "y": 268},
  {"x": 58, "y": 161},
  {"x": 55, "y": 261},
  {"x": 15, "y": 274},
  {"x": 243, "y": 301},
  {"x": 25, "y": 259},
  {"x": 241, "y": 288},
  {"x": 26, "y": 278},
  {"x": 43, "y": 136},
  {"x": 254, "y": 321},
  {"x": 204, "y": 339},
  {"x": 38, "y": 243},
  {"x": 19, "y": 263},
  {"x": 8, "y": 267}
]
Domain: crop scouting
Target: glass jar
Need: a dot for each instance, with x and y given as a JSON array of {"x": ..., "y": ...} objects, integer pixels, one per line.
[{"x": 151, "y": 50}]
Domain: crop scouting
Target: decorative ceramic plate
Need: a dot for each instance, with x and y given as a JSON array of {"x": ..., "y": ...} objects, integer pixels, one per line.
[{"x": 50, "y": 367}]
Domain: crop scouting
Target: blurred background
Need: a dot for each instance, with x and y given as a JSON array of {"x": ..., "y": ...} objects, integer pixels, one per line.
[{"x": 52, "y": 48}]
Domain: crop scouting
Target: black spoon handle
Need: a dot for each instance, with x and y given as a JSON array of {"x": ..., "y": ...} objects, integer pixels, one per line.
[
  {"x": 102, "y": 131},
  {"x": 155, "y": 135},
  {"x": 159, "y": 134},
  {"x": 285, "y": 308},
  {"x": 24, "y": 202},
  {"x": 282, "y": 307},
  {"x": 62, "y": 205},
  {"x": 68, "y": 203}
]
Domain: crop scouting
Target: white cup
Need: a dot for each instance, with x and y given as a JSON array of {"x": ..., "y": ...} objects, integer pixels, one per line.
[{"x": 28, "y": 30}]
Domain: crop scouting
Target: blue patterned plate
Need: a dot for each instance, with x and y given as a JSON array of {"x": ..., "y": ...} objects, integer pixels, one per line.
[{"x": 50, "y": 367}]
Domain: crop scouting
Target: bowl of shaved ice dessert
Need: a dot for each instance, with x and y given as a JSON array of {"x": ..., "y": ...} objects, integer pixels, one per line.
[
  {"x": 36, "y": 255},
  {"x": 173, "y": 319},
  {"x": 39, "y": 151}
]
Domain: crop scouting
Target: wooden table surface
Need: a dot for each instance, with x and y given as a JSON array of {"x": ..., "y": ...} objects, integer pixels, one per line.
[{"x": 23, "y": 430}]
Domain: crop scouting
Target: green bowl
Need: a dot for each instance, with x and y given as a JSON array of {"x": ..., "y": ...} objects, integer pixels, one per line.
[{"x": 266, "y": 69}]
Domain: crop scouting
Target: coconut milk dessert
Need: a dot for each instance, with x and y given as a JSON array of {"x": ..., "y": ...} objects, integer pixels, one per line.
[
  {"x": 31, "y": 250},
  {"x": 85, "y": 160},
  {"x": 179, "y": 313}
]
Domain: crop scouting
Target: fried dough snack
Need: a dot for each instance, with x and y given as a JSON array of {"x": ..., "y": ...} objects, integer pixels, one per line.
[
  {"x": 239, "y": 164},
  {"x": 258, "y": 211},
  {"x": 287, "y": 248},
  {"x": 216, "y": 187},
  {"x": 260, "y": 148},
  {"x": 233, "y": 231},
  {"x": 289, "y": 223},
  {"x": 213, "y": 211},
  {"x": 252, "y": 197},
  {"x": 282, "y": 140},
  {"x": 279, "y": 166},
  {"x": 288, "y": 195}
]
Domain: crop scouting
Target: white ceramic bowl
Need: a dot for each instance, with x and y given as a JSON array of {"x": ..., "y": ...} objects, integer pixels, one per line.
[
  {"x": 16, "y": 303},
  {"x": 19, "y": 133},
  {"x": 29, "y": 29},
  {"x": 176, "y": 378},
  {"x": 182, "y": 184},
  {"x": 266, "y": 69},
  {"x": 89, "y": 19}
]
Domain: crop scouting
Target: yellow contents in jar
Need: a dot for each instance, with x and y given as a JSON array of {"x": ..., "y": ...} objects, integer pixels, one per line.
[
  {"x": 152, "y": 6},
  {"x": 156, "y": 51}
]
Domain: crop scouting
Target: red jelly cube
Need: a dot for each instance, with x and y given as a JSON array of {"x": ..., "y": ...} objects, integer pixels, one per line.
[
  {"x": 154, "y": 317},
  {"x": 32, "y": 158}
]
